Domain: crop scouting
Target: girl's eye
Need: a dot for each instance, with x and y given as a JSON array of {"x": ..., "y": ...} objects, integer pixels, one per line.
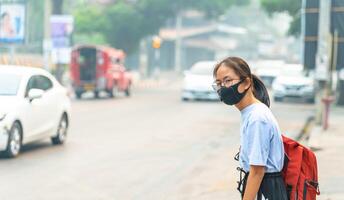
[{"x": 228, "y": 81}]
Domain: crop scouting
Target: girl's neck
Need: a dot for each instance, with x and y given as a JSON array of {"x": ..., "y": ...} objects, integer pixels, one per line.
[{"x": 248, "y": 99}]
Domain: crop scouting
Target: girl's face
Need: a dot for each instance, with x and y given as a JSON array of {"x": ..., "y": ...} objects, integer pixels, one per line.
[{"x": 227, "y": 77}]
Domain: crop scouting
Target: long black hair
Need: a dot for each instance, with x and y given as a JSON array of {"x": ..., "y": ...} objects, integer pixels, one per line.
[{"x": 242, "y": 69}]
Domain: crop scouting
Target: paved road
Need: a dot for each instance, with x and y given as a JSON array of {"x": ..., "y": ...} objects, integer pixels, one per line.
[{"x": 150, "y": 146}]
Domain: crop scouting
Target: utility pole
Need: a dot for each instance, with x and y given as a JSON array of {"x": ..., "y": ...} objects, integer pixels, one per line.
[
  {"x": 325, "y": 62},
  {"x": 143, "y": 58},
  {"x": 156, "y": 43},
  {"x": 47, "y": 35},
  {"x": 323, "y": 57},
  {"x": 56, "y": 9},
  {"x": 328, "y": 97},
  {"x": 303, "y": 27}
]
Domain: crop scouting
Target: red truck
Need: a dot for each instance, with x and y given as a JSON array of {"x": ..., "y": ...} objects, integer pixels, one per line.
[{"x": 97, "y": 69}]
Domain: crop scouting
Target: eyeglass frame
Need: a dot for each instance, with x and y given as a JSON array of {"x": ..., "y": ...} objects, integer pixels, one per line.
[{"x": 217, "y": 86}]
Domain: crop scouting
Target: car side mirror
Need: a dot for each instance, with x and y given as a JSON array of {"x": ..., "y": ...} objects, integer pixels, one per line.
[{"x": 35, "y": 94}]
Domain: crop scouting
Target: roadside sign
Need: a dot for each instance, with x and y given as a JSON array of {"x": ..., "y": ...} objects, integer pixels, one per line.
[
  {"x": 12, "y": 23},
  {"x": 61, "y": 31}
]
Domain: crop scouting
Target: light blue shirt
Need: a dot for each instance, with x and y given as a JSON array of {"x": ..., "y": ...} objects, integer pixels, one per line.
[{"x": 260, "y": 139}]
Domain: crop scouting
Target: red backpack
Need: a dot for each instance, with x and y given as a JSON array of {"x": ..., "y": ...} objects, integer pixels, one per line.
[{"x": 300, "y": 171}]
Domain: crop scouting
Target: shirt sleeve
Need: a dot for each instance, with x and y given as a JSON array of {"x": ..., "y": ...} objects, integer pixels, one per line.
[{"x": 259, "y": 136}]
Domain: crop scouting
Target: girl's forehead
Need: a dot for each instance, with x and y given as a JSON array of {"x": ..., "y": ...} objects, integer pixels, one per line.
[{"x": 225, "y": 72}]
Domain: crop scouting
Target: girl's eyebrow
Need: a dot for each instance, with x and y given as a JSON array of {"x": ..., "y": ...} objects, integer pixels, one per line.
[
  {"x": 224, "y": 78},
  {"x": 227, "y": 77}
]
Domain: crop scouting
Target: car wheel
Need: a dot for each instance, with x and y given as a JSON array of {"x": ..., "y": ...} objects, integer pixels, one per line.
[
  {"x": 78, "y": 95},
  {"x": 278, "y": 99},
  {"x": 111, "y": 94},
  {"x": 96, "y": 94},
  {"x": 185, "y": 99},
  {"x": 113, "y": 91},
  {"x": 127, "y": 91},
  {"x": 61, "y": 135},
  {"x": 14, "y": 143},
  {"x": 311, "y": 100}
]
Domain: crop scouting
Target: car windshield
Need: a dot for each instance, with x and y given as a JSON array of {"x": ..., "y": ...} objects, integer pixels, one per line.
[
  {"x": 292, "y": 73},
  {"x": 9, "y": 84},
  {"x": 203, "y": 69}
]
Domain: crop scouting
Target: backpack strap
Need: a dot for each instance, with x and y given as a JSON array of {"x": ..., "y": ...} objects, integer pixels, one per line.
[
  {"x": 242, "y": 181},
  {"x": 236, "y": 157},
  {"x": 259, "y": 194}
]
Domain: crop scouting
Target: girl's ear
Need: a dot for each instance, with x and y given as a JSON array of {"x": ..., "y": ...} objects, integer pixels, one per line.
[{"x": 248, "y": 83}]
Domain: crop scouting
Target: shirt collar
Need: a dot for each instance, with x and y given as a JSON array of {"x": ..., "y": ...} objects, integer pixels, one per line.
[{"x": 248, "y": 109}]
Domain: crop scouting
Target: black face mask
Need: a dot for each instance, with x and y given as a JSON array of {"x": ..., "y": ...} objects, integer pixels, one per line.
[{"x": 231, "y": 95}]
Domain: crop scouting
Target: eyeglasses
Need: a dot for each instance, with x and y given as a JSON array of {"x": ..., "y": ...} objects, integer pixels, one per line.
[{"x": 225, "y": 83}]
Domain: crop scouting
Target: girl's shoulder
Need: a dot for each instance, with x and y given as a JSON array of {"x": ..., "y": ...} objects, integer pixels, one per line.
[{"x": 260, "y": 113}]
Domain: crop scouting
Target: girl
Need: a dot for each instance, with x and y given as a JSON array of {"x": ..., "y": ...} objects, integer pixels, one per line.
[{"x": 261, "y": 154}]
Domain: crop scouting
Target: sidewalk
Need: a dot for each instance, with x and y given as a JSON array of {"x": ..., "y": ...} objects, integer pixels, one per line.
[{"x": 331, "y": 156}]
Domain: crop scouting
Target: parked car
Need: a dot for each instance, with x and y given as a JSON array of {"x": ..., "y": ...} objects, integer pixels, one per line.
[
  {"x": 97, "y": 69},
  {"x": 33, "y": 106},
  {"x": 267, "y": 70},
  {"x": 198, "y": 81},
  {"x": 268, "y": 75},
  {"x": 292, "y": 82}
]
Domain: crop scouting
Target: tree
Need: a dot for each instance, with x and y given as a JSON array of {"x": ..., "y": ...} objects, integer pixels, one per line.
[
  {"x": 124, "y": 24},
  {"x": 293, "y": 7},
  {"x": 35, "y": 16},
  {"x": 124, "y": 27},
  {"x": 89, "y": 19},
  {"x": 89, "y": 25}
]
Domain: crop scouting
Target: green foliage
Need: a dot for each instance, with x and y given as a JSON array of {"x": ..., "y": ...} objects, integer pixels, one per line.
[
  {"x": 90, "y": 38},
  {"x": 293, "y": 7},
  {"x": 153, "y": 14},
  {"x": 88, "y": 19},
  {"x": 35, "y": 13},
  {"x": 124, "y": 27},
  {"x": 295, "y": 26},
  {"x": 123, "y": 24},
  {"x": 89, "y": 26},
  {"x": 241, "y": 2},
  {"x": 212, "y": 8}
]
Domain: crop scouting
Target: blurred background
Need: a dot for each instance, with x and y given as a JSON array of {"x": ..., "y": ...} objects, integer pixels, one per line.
[{"x": 125, "y": 85}]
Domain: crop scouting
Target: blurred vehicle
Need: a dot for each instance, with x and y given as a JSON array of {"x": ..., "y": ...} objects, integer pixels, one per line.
[
  {"x": 268, "y": 75},
  {"x": 97, "y": 69},
  {"x": 33, "y": 106},
  {"x": 292, "y": 82},
  {"x": 198, "y": 81},
  {"x": 267, "y": 70}
]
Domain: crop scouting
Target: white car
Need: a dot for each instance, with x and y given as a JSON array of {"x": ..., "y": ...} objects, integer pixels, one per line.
[
  {"x": 268, "y": 75},
  {"x": 267, "y": 70},
  {"x": 292, "y": 82},
  {"x": 198, "y": 82},
  {"x": 33, "y": 106}
]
